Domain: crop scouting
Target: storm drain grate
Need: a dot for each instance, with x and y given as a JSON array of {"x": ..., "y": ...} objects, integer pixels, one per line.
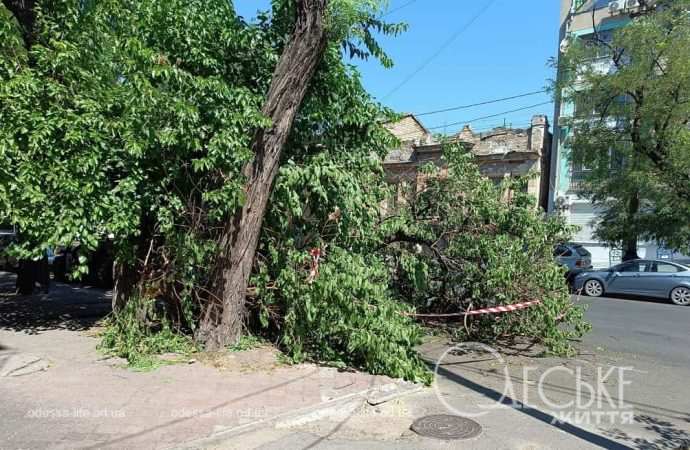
[{"x": 444, "y": 426}]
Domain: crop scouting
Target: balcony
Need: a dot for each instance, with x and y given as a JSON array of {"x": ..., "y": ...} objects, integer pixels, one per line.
[{"x": 578, "y": 181}]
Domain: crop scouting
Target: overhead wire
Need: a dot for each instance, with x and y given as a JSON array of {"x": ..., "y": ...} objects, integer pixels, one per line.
[
  {"x": 440, "y": 50},
  {"x": 486, "y": 102},
  {"x": 394, "y": 10},
  {"x": 479, "y": 119},
  {"x": 463, "y": 122}
]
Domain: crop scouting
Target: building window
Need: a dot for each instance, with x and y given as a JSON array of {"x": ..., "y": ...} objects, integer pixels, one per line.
[{"x": 587, "y": 5}]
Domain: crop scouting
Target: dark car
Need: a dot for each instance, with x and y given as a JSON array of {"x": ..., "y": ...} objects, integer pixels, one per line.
[
  {"x": 574, "y": 257},
  {"x": 653, "y": 278},
  {"x": 7, "y": 263}
]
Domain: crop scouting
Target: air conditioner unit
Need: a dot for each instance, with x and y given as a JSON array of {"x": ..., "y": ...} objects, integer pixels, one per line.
[
  {"x": 564, "y": 45},
  {"x": 631, "y": 4},
  {"x": 616, "y": 6}
]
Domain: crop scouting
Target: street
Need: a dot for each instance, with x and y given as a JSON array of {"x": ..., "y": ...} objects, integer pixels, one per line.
[
  {"x": 648, "y": 327},
  {"x": 626, "y": 388}
]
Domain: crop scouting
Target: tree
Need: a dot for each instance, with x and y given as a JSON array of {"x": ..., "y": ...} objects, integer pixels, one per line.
[
  {"x": 110, "y": 120},
  {"x": 224, "y": 318},
  {"x": 630, "y": 90},
  {"x": 463, "y": 244},
  {"x": 125, "y": 121},
  {"x": 316, "y": 22}
]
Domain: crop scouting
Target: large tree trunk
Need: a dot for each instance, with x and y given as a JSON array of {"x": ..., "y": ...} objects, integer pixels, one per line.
[
  {"x": 23, "y": 11},
  {"x": 224, "y": 315},
  {"x": 125, "y": 278},
  {"x": 630, "y": 240}
]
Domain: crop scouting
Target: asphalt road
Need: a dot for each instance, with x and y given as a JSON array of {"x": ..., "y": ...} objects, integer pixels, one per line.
[{"x": 651, "y": 328}]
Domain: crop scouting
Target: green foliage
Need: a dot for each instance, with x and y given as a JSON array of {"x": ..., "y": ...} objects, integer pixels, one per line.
[
  {"x": 138, "y": 333},
  {"x": 347, "y": 317},
  {"x": 355, "y": 22},
  {"x": 463, "y": 244},
  {"x": 327, "y": 196},
  {"x": 126, "y": 116},
  {"x": 628, "y": 131},
  {"x": 134, "y": 119},
  {"x": 247, "y": 342}
]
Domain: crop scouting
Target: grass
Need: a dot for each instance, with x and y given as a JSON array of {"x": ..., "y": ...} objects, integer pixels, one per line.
[
  {"x": 247, "y": 342},
  {"x": 126, "y": 336}
]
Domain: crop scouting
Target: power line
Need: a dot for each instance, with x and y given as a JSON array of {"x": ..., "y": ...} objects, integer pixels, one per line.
[
  {"x": 479, "y": 119},
  {"x": 487, "y": 102},
  {"x": 394, "y": 10},
  {"x": 463, "y": 122},
  {"x": 440, "y": 50}
]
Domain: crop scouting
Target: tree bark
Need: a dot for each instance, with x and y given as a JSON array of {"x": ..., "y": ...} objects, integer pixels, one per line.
[
  {"x": 630, "y": 240},
  {"x": 24, "y": 12},
  {"x": 223, "y": 316},
  {"x": 125, "y": 278}
]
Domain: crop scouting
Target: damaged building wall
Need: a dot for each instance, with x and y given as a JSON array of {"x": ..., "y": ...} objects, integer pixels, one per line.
[{"x": 501, "y": 152}]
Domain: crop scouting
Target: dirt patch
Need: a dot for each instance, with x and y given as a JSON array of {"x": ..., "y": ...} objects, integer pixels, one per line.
[{"x": 261, "y": 359}]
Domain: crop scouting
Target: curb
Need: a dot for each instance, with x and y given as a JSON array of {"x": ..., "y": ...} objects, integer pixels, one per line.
[{"x": 307, "y": 414}]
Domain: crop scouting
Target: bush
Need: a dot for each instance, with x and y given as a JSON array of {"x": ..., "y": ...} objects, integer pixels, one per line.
[{"x": 139, "y": 332}]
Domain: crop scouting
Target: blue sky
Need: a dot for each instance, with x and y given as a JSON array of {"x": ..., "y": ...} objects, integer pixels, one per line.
[{"x": 501, "y": 49}]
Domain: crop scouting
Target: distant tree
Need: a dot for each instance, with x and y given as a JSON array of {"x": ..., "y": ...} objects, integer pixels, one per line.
[{"x": 630, "y": 89}]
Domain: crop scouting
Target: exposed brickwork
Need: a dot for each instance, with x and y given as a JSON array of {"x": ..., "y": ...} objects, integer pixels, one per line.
[
  {"x": 411, "y": 133},
  {"x": 501, "y": 152}
]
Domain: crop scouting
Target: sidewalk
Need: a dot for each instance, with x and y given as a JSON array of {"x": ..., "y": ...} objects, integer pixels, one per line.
[
  {"x": 473, "y": 385},
  {"x": 57, "y": 391}
]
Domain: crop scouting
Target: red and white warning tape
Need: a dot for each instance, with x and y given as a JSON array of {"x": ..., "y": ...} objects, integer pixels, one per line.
[
  {"x": 315, "y": 254},
  {"x": 492, "y": 310},
  {"x": 502, "y": 309}
]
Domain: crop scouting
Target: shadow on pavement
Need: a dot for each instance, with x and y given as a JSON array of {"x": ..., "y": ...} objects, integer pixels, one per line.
[
  {"x": 570, "y": 391},
  {"x": 68, "y": 307},
  {"x": 637, "y": 298},
  {"x": 592, "y": 438},
  {"x": 668, "y": 435}
]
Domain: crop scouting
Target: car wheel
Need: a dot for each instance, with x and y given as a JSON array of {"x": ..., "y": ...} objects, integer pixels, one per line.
[
  {"x": 681, "y": 296},
  {"x": 594, "y": 288}
]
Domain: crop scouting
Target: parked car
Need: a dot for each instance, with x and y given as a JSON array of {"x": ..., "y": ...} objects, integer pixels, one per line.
[
  {"x": 653, "y": 278},
  {"x": 100, "y": 263},
  {"x": 574, "y": 257},
  {"x": 7, "y": 262}
]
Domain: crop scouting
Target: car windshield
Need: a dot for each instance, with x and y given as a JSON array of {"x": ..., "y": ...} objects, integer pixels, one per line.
[{"x": 582, "y": 251}]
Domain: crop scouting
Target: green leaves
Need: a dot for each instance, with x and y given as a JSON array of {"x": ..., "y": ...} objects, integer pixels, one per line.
[
  {"x": 629, "y": 91},
  {"x": 135, "y": 119},
  {"x": 346, "y": 317},
  {"x": 461, "y": 243}
]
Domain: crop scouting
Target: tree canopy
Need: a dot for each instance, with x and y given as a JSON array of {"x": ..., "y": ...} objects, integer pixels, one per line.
[
  {"x": 141, "y": 122},
  {"x": 630, "y": 89}
]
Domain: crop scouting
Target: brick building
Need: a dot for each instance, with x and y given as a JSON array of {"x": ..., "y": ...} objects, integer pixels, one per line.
[{"x": 501, "y": 152}]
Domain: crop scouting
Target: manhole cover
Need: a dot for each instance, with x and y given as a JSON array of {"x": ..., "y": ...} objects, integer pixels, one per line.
[{"x": 444, "y": 426}]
